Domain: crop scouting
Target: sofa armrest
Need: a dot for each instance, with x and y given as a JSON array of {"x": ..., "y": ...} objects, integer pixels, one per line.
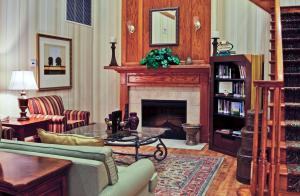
[
  {"x": 77, "y": 115},
  {"x": 132, "y": 179}
]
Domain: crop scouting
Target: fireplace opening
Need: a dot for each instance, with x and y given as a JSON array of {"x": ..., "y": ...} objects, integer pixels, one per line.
[{"x": 169, "y": 114}]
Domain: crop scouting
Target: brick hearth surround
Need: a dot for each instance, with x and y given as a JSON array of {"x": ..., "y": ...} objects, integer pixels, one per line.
[
  {"x": 180, "y": 82},
  {"x": 189, "y": 94}
]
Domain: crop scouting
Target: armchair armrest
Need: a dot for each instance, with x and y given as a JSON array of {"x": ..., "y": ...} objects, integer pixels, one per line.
[
  {"x": 57, "y": 123},
  {"x": 77, "y": 115},
  {"x": 7, "y": 133}
]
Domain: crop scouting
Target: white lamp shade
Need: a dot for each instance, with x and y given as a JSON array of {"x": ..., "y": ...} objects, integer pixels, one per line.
[
  {"x": 215, "y": 34},
  {"x": 22, "y": 80}
]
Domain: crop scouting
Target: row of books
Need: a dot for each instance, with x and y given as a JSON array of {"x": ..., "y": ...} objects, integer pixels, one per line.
[
  {"x": 236, "y": 133},
  {"x": 228, "y": 72},
  {"x": 239, "y": 89},
  {"x": 225, "y": 72},
  {"x": 231, "y": 108},
  {"x": 242, "y": 70}
]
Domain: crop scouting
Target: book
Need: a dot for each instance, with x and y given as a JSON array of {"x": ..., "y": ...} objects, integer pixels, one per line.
[
  {"x": 235, "y": 108},
  {"x": 224, "y": 131}
]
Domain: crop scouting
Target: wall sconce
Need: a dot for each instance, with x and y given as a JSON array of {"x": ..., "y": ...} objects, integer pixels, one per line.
[
  {"x": 197, "y": 23},
  {"x": 130, "y": 27}
]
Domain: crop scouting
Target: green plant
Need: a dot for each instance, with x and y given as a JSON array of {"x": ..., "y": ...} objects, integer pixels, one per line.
[{"x": 160, "y": 57}]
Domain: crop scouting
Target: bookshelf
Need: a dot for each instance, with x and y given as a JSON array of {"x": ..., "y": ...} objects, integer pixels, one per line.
[{"x": 231, "y": 83}]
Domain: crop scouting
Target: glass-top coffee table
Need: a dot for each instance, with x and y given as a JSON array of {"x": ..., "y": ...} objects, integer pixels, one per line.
[{"x": 127, "y": 138}]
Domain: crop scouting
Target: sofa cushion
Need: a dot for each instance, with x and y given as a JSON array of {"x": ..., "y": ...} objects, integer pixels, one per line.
[
  {"x": 103, "y": 154},
  {"x": 68, "y": 139}
]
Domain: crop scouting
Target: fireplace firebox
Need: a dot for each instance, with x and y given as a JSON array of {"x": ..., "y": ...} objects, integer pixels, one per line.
[{"x": 169, "y": 114}]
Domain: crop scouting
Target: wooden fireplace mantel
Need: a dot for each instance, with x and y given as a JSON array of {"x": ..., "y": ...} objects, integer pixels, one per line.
[{"x": 196, "y": 75}]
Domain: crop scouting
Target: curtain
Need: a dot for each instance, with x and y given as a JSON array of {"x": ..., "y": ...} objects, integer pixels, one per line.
[{"x": 245, "y": 25}]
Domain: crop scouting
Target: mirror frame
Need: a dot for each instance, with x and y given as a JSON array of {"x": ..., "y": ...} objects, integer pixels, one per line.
[{"x": 177, "y": 26}]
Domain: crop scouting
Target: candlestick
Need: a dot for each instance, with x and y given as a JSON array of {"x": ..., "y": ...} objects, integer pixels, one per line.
[
  {"x": 113, "y": 61},
  {"x": 113, "y": 39},
  {"x": 215, "y": 45}
]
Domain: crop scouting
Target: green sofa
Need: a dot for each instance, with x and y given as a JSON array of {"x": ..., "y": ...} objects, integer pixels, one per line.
[{"x": 93, "y": 171}]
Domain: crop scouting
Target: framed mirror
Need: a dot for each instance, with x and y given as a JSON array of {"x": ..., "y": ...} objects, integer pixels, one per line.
[{"x": 164, "y": 27}]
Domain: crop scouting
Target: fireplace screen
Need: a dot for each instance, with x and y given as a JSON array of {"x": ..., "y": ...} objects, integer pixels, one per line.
[{"x": 165, "y": 113}]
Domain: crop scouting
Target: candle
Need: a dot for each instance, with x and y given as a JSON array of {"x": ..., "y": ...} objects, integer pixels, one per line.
[
  {"x": 113, "y": 39},
  {"x": 215, "y": 34}
]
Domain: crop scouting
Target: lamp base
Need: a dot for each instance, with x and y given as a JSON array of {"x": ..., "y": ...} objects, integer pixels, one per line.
[
  {"x": 23, "y": 105},
  {"x": 23, "y": 118}
]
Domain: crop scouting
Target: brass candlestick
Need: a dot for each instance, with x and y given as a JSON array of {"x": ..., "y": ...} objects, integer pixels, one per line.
[{"x": 113, "y": 61}]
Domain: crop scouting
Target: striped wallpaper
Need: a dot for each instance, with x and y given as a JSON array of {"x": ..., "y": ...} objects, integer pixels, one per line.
[{"x": 94, "y": 88}]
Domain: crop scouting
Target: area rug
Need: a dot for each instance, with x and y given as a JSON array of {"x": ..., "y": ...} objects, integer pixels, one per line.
[{"x": 183, "y": 175}]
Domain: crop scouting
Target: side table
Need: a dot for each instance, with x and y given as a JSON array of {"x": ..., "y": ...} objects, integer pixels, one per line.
[
  {"x": 25, "y": 175},
  {"x": 27, "y": 128}
]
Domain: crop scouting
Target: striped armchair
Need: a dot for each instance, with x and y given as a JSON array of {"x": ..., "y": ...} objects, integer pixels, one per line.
[{"x": 61, "y": 120}]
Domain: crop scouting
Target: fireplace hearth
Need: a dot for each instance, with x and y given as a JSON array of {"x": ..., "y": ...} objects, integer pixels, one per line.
[{"x": 170, "y": 114}]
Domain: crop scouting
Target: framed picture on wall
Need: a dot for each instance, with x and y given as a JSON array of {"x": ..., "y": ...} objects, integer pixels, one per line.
[{"x": 54, "y": 62}]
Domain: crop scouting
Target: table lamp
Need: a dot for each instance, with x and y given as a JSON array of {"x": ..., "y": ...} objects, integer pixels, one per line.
[{"x": 21, "y": 81}]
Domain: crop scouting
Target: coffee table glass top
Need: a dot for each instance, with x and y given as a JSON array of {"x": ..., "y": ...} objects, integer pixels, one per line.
[
  {"x": 100, "y": 130},
  {"x": 135, "y": 139}
]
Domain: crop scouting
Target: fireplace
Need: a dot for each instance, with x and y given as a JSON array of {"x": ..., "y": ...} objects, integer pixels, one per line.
[{"x": 170, "y": 114}]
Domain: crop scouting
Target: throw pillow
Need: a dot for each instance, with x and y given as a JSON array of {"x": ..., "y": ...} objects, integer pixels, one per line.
[{"x": 68, "y": 139}]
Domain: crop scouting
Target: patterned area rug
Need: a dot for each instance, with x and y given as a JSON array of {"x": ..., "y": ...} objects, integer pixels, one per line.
[{"x": 183, "y": 175}]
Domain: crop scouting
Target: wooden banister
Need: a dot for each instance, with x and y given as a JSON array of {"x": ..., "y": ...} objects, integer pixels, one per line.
[
  {"x": 264, "y": 4},
  {"x": 266, "y": 170},
  {"x": 278, "y": 43}
]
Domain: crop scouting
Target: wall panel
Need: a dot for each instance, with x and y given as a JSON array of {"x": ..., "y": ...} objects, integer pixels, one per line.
[{"x": 191, "y": 43}]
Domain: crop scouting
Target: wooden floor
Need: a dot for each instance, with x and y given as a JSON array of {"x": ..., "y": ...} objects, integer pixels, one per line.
[{"x": 224, "y": 183}]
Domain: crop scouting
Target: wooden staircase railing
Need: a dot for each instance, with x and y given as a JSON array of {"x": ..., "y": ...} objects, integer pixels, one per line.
[{"x": 266, "y": 169}]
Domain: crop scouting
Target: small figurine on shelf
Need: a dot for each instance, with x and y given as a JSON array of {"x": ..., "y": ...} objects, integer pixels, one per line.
[{"x": 225, "y": 48}]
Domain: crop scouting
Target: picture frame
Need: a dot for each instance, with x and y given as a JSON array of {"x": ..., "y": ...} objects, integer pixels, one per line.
[{"x": 54, "y": 62}]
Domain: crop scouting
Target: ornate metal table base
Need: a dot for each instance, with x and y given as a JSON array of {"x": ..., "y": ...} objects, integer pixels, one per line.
[{"x": 159, "y": 154}]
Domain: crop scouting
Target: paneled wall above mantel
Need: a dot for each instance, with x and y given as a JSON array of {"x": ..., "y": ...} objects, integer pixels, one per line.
[{"x": 195, "y": 44}]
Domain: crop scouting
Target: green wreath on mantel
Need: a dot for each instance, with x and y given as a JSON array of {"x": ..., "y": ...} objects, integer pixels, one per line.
[{"x": 160, "y": 58}]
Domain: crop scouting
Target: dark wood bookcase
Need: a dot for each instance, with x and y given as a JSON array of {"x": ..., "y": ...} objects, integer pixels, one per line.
[{"x": 231, "y": 82}]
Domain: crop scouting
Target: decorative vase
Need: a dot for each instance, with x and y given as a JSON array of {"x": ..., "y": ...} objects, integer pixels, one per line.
[
  {"x": 133, "y": 121},
  {"x": 191, "y": 133}
]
